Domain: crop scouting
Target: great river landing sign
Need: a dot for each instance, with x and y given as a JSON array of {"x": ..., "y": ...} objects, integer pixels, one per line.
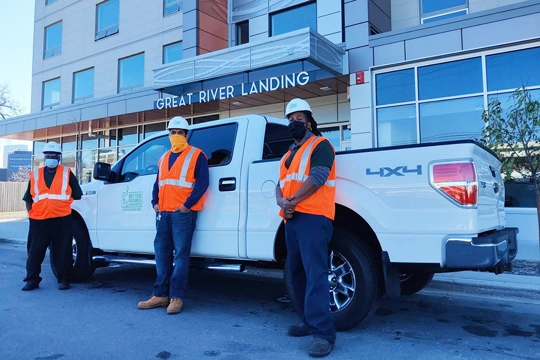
[{"x": 230, "y": 91}]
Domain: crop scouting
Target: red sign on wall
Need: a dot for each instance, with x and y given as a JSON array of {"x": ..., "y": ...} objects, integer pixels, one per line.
[{"x": 359, "y": 77}]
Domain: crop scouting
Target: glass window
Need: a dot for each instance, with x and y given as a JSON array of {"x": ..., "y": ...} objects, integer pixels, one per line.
[
  {"x": 451, "y": 119},
  {"x": 48, "y": 2},
  {"x": 89, "y": 142},
  {"x": 512, "y": 70},
  {"x": 295, "y": 18},
  {"x": 128, "y": 136},
  {"x": 450, "y": 79},
  {"x": 107, "y": 18},
  {"x": 38, "y": 146},
  {"x": 172, "y": 52},
  {"x": 69, "y": 159},
  {"x": 171, "y": 7},
  {"x": 507, "y": 101},
  {"x": 242, "y": 32},
  {"x": 444, "y": 16},
  {"x": 333, "y": 136},
  {"x": 107, "y": 155},
  {"x": 396, "y": 125},
  {"x": 130, "y": 73},
  {"x": 83, "y": 85},
  {"x": 217, "y": 142},
  {"x": 395, "y": 87},
  {"x": 69, "y": 143},
  {"x": 51, "y": 93},
  {"x": 144, "y": 160},
  {"x": 277, "y": 140},
  {"x": 431, "y": 6},
  {"x": 152, "y": 129},
  {"x": 53, "y": 40}
]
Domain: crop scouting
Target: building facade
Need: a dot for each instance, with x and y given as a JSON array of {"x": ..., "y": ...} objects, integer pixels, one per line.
[{"x": 107, "y": 74}]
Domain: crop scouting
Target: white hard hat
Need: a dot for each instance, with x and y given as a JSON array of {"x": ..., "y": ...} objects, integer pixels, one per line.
[
  {"x": 178, "y": 122},
  {"x": 297, "y": 105},
  {"x": 52, "y": 146}
]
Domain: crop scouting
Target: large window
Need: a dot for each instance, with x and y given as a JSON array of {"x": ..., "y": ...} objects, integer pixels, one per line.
[
  {"x": 242, "y": 32},
  {"x": 172, "y": 52},
  {"x": 83, "y": 85},
  {"x": 295, "y": 18},
  {"x": 396, "y": 125},
  {"x": 130, "y": 73},
  {"x": 513, "y": 69},
  {"x": 50, "y": 94},
  {"x": 433, "y": 10},
  {"x": 53, "y": 40},
  {"x": 107, "y": 18},
  {"x": 144, "y": 160},
  {"x": 171, "y": 7},
  {"x": 395, "y": 87},
  {"x": 217, "y": 142}
]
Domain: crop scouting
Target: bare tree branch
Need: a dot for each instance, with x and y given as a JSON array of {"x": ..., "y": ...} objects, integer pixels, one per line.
[{"x": 8, "y": 106}]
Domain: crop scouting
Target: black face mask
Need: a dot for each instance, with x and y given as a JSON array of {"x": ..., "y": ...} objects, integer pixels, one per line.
[{"x": 297, "y": 129}]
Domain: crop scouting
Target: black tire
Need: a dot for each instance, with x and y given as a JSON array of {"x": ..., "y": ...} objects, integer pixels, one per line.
[
  {"x": 83, "y": 266},
  {"x": 414, "y": 281},
  {"x": 353, "y": 304}
]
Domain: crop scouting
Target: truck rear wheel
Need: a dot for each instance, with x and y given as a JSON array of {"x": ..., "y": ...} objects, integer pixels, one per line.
[
  {"x": 353, "y": 279},
  {"x": 83, "y": 266},
  {"x": 414, "y": 281}
]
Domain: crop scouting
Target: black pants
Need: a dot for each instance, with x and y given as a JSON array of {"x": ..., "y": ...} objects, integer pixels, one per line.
[
  {"x": 307, "y": 237},
  {"x": 56, "y": 233}
]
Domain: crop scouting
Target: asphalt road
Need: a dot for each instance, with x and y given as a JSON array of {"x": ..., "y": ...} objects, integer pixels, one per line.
[{"x": 236, "y": 316}]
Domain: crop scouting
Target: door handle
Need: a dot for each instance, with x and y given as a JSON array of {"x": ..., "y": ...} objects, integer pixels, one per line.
[{"x": 227, "y": 184}]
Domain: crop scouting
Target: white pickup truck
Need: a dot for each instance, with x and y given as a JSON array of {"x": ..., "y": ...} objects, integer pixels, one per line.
[{"x": 402, "y": 213}]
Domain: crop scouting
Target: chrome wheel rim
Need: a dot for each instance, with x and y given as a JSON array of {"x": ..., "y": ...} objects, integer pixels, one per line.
[
  {"x": 74, "y": 250},
  {"x": 341, "y": 280}
]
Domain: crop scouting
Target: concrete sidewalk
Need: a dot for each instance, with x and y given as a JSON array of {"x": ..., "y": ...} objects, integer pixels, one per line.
[{"x": 14, "y": 229}]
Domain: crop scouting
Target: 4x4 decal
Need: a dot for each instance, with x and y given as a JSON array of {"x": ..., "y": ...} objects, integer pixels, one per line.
[{"x": 398, "y": 171}]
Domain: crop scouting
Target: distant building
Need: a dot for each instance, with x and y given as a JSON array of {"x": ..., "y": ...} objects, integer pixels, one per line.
[
  {"x": 19, "y": 165},
  {"x": 10, "y": 148},
  {"x": 3, "y": 174}
]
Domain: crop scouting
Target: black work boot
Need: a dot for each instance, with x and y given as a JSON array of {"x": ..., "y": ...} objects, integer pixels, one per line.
[
  {"x": 63, "y": 286},
  {"x": 30, "y": 286},
  {"x": 301, "y": 329},
  {"x": 320, "y": 347}
]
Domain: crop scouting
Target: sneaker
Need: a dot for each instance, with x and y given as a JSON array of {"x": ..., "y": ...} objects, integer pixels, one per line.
[
  {"x": 175, "y": 306},
  {"x": 320, "y": 347},
  {"x": 154, "y": 302},
  {"x": 30, "y": 286},
  {"x": 64, "y": 286},
  {"x": 301, "y": 329}
]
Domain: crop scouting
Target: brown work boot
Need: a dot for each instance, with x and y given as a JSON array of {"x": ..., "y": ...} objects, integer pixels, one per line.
[
  {"x": 175, "y": 306},
  {"x": 154, "y": 302}
]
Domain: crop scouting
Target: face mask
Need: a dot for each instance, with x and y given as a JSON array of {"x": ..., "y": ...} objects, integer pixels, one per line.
[
  {"x": 178, "y": 143},
  {"x": 297, "y": 129},
  {"x": 51, "y": 163}
]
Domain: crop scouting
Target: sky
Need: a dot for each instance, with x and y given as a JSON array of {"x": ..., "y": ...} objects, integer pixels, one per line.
[{"x": 17, "y": 29}]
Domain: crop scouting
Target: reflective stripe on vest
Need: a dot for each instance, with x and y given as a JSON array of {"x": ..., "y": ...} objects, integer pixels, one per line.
[
  {"x": 181, "y": 182},
  {"x": 63, "y": 195}
]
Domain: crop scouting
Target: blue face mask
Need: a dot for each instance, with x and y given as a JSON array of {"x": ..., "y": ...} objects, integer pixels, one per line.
[{"x": 51, "y": 163}]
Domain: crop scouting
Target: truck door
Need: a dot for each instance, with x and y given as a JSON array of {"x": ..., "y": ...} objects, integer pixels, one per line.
[
  {"x": 126, "y": 219},
  {"x": 216, "y": 232}
]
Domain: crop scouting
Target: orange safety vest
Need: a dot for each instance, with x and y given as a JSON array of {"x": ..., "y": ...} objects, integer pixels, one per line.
[
  {"x": 322, "y": 202},
  {"x": 50, "y": 202},
  {"x": 176, "y": 184}
]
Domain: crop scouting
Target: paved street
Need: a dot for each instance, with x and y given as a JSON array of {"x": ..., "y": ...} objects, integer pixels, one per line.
[{"x": 236, "y": 316}]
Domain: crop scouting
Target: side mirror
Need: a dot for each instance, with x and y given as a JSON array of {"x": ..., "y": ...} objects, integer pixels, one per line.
[{"x": 102, "y": 171}]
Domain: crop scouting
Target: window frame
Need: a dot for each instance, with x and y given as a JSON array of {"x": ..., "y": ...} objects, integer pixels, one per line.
[
  {"x": 75, "y": 100},
  {"x": 49, "y": 2},
  {"x": 130, "y": 88},
  {"x": 238, "y": 32},
  {"x": 282, "y": 11},
  {"x": 432, "y": 16},
  {"x": 111, "y": 30},
  {"x": 51, "y": 105},
  {"x": 53, "y": 50},
  {"x": 177, "y": 3},
  {"x": 169, "y": 45}
]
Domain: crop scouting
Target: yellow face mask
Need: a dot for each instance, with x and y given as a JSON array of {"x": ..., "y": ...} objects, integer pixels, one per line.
[{"x": 178, "y": 143}]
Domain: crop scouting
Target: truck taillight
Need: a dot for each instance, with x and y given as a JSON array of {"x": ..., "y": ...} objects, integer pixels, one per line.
[{"x": 457, "y": 180}]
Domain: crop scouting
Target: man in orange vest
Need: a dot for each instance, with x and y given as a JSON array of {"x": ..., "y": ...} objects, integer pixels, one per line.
[
  {"x": 178, "y": 195},
  {"x": 305, "y": 194},
  {"x": 51, "y": 190}
]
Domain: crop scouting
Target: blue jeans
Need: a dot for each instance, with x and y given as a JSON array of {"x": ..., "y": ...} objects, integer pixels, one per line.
[
  {"x": 307, "y": 237},
  {"x": 174, "y": 233}
]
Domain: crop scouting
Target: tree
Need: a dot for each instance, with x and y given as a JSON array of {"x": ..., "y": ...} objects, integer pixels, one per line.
[
  {"x": 8, "y": 106},
  {"x": 514, "y": 135}
]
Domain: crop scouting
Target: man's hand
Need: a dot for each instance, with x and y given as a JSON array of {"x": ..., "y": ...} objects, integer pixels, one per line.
[
  {"x": 183, "y": 209},
  {"x": 287, "y": 206},
  {"x": 156, "y": 208}
]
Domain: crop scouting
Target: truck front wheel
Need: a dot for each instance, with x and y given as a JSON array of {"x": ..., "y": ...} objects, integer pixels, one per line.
[
  {"x": 353, "y": 280},
  {"x": 83, "y": 266}
]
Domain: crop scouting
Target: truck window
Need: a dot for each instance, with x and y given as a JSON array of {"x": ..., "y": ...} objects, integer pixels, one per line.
[
  {"x": 144, "y": 160},
  {"x": 217, "y": 142},
  {"x": 277, "y": 140}
]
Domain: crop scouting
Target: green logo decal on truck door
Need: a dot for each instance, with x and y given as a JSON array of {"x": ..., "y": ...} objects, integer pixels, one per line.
[{"x": 132, "y": 201}]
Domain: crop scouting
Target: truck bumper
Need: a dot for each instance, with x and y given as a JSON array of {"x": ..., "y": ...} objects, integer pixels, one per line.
[{"x": 494, "y": 248}]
